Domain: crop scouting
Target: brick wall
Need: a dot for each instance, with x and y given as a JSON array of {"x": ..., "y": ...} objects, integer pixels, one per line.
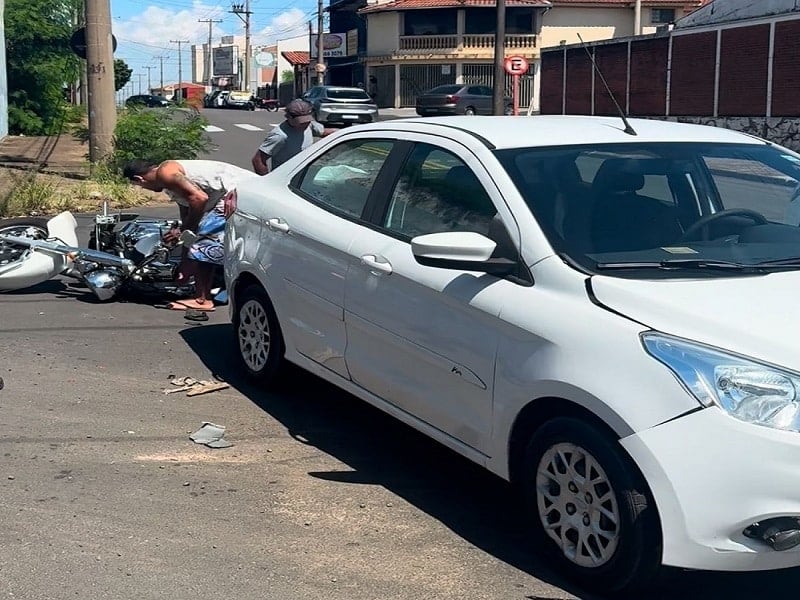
[
  {"x": 785, "y": 80},
  {"x": 552, "y": 85},
  {"x": 648, "y": 83},
  {"x": 612, "y": 60},
  {"x": 744, "y": 61},
  {"x": 579, "y": 83},
  {"x": 692, "y": 74}
]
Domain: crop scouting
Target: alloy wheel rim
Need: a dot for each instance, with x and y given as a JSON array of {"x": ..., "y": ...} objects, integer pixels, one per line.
[
  {"x": 10, "y": 252},
  {"x": 254, "y": 337},
  {"x": 577, "y": 505}
]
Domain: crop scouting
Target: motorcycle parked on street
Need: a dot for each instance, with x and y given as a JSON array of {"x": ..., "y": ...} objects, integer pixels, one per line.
[{"x": 126, "y": 254}]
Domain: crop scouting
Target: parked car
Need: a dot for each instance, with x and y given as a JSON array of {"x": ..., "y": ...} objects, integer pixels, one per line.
[
  {"x": 215, "y": 99},
  {"x": 334, "y": 104},
  {"x": 147, "y": 100},
  {"x": 607, "y": 320},
  {"x": 458, "y": 99},
  {"x": 241, "y": 100}
]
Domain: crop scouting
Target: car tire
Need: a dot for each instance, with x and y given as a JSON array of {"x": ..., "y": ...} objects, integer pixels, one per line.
[
  {"x": 627, "y": 556},
  {"x": 258, "y": 337},
  {"x": 469, "y": 111}
]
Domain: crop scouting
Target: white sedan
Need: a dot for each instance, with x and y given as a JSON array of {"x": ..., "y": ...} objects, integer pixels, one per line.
[{"x": 608, "y": 320}]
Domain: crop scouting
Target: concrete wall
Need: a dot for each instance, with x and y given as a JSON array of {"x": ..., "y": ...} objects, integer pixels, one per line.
[
  {"x": 299, "y": 44},
  {"x": 384, "y": 33},
  {"x": 3, "y": 82},
  {"x": 565, "y": 23},
  {"x": 780, "y": 130}
]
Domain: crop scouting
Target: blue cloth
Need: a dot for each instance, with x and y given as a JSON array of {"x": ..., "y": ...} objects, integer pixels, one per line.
[{"x": 210, "y": 247}]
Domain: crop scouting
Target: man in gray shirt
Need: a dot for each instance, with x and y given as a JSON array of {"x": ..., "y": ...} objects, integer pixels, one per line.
[{"x": 289, "y": 138}]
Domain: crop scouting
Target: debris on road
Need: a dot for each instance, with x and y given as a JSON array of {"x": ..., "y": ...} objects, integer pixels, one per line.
[
  {"x": 2, "y": 383},
  {"x": 210, "y": 435},
  {"x": 195, "y": 387}
]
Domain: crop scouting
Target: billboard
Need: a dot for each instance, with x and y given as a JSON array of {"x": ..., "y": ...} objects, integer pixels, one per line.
[
  {"x": 333, "y": 45},
  {"x": 225, "y": 61}
]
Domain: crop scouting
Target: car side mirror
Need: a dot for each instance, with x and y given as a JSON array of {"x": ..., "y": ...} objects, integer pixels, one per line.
[{"x": 460, "y": 250}]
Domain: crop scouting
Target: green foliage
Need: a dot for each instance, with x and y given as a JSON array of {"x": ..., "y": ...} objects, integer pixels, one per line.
[
  {"x": 39, "y": 63},
  {"x": 287, "y": 76},
  {"x": 122, "y": 74},
  {"x": 28, "y": 195},
  {"x": 158, "y": 135}
]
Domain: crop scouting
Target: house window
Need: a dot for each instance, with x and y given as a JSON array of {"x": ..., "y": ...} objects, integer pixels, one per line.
[
  {"x": 519, "y": 20},
  {"x": 430, "y": 22},
  {"x": 660, "y": 16}
]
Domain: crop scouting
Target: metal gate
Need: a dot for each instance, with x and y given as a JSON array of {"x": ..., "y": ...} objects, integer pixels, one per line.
[
  {"x": 418, "y": 79},
  {"x": 483, "y": 74}
]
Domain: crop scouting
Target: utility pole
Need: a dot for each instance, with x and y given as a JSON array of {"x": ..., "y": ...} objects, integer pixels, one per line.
[
  {"x": 161, "y": 60},
  {"x": 320, "y": 46},
  {"x": 307, "y": 82},
  {"x": 239, "y": 10},
  {"x": 637, "y": 17},
  {"x": 140, "y": 75},
  {"x": 180, "y": 68},
  {"x": 208, "y": 55},
  {"x": 499, "y": 88},
  {"x": 149, "y": 85},
  {"x": 100, "y": 67}
]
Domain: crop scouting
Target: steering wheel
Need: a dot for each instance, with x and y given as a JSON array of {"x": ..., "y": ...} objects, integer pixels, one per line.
[{"x": 702, "y": 222}]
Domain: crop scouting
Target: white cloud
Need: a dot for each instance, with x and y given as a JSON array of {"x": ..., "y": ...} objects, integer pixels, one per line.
[
  {"x": 289, "y": 23},
  {"x": 156, "y": 26}
]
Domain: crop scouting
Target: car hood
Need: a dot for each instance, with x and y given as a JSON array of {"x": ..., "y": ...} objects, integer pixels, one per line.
[{"x": 757, "y": 316}]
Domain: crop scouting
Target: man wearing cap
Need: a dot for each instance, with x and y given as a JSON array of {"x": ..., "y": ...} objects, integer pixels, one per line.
[{"x": 289, "y": 138}]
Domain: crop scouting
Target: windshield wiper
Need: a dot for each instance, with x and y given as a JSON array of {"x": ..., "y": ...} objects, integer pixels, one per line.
[
  {"x": 682, "y": 263},
  {"x": 792, "y": 261}
]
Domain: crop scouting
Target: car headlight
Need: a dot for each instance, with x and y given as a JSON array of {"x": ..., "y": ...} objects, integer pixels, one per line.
[{"x": 744, "y": 388}]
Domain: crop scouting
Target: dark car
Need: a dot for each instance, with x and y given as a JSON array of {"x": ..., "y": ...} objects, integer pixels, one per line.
[
  {"x": 147, "y": 100},
  {"x": 457, "y": 99},
  {"x": 335, "y": 104}
]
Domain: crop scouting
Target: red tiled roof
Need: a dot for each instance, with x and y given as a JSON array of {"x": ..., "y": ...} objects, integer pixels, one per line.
[
  {"x": 417, "y": 4},
  {"x": 296, "y": 58},
  {"x": 630, "y": 3}
]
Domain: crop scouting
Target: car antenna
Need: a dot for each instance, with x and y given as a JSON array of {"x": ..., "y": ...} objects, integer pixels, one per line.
[{"x": 628, "y": 129}]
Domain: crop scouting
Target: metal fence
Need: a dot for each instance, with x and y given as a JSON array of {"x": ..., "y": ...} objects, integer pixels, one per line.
[
  {"x": 483, "y": 74},
  {"x": 418, "y": 79}
]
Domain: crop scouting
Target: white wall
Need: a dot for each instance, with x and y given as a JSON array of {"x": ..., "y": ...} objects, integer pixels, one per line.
[
  {"x": 384, "y": 33},
  {"x": 565, "y": 23},
  {"x": 300, "y": 43}
]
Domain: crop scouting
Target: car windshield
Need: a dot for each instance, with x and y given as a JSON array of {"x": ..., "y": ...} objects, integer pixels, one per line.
[
  {"x": 445, "y": 89},
  {"x": 347, "y": 94},
  {"x": 632, "y": 209}
]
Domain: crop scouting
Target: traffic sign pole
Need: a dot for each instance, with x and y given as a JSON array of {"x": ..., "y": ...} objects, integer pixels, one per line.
[{"x": 515, "y": 66}]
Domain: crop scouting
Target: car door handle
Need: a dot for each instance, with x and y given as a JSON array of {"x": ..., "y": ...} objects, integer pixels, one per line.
[
  {"x": 373, "y": 263},
  {"x": 278, "y": 225}
]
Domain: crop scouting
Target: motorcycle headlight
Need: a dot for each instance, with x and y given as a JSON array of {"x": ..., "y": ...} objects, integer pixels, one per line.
[{"x": 744, "y": 388}]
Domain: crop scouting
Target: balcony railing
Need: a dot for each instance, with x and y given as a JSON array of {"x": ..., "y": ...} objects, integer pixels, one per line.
[{"x": 459, "y": 43}]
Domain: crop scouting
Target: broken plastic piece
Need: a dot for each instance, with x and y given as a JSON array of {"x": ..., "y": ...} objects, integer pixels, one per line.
[{"x": 210, "y": 435}]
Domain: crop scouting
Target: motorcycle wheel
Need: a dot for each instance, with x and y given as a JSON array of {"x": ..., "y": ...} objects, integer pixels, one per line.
[{"x": 30, "y": 227}]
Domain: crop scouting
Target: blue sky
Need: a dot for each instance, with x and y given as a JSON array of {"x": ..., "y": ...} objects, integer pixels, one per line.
[{"x": 144, "y": 28}]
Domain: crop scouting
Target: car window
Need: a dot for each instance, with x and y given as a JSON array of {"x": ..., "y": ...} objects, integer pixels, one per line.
[
  {"x": 445, "y": 89},
  {"x": 354, "y": 94},
  {"x": 474, "y": 90},
  {"x": 343, "y": 177},
  {"x": 438, "y": 192}
]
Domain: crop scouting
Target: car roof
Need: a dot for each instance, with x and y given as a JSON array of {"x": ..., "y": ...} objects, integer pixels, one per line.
[
  {"x": 563, "y": 130},
  {"x": 341, "y": 87}
]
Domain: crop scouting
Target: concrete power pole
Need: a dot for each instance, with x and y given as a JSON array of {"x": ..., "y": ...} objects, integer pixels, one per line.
[
  {"x": 637, "y": 17},
  {"x": 239, "y": 10},
  {"x": 499, "y": 89},
  {"x": 208, "y": 55},
  {"x": 149, "y": 85},
  {"x": 140, "y": 75},
  {"x": 180, "y": 68},
  {"x": 100, "y": 68},
  {"x": 161, "y": 70},
  {"x": 320, "y": 46}
]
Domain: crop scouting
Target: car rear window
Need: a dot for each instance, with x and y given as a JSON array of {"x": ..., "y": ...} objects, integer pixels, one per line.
[
  {"x": 348, "y": 95},
  {"x": 445, "y": 89}
]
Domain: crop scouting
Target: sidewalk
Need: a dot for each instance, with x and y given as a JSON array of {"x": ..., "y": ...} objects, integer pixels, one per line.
[{"x": 61, "y": 155}]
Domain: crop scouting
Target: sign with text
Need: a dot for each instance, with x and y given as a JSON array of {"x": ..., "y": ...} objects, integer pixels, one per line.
[
  {"x": 333, "y": 45},
  {"x": 225, "y": 60},
  {"x": 352, "y": 42}
]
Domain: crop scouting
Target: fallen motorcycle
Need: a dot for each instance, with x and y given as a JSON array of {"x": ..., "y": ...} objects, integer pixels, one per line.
[{"x": 126, "y": 254}]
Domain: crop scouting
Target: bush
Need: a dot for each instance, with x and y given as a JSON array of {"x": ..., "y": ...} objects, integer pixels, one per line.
[{"x": 158, "y": 135}]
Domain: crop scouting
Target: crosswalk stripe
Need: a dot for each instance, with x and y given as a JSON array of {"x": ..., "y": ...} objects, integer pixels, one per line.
[
  {"x": 248, "y": 127},
  {"x": 213, "y": 129}
]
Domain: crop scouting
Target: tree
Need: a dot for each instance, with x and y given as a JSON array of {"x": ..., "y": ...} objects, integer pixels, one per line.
[
  {"x": 122, "y": 74},
  {"x": 39, "y": 64},
  {"x": 287, "y": 76}
]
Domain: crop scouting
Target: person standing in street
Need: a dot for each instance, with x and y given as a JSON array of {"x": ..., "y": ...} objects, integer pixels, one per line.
[{"x": 289, "y": 138}]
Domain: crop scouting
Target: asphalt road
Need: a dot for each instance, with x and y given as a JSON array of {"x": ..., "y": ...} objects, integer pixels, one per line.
[{"x": 103, "y": 495}]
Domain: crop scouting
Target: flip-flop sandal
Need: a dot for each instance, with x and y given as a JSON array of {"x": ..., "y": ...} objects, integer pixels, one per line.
[
  {"x": 178, "y": 305},
  {"x": 192, "y": 314}
]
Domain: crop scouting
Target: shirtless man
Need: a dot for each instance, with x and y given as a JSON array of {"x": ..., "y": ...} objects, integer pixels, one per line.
[{"x": 204, "y": 192}]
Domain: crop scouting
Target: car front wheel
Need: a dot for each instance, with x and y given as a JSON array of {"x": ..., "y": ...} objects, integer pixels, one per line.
[
  {"x": 258, "y": 335},
  {"x": 591, "y": 511}
]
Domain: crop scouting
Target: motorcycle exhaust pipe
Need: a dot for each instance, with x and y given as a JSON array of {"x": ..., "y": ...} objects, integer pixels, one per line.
[{"x": 75, "y": 253}]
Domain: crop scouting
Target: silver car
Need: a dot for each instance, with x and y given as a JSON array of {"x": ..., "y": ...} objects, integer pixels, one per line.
[{"x": 334, "y": 104}]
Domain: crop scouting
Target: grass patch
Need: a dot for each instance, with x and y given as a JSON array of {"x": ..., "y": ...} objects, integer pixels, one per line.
[{"x": 28, "y": 193}]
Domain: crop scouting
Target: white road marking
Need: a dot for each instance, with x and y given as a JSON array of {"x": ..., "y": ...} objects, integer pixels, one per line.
[
  {"x": 248, "y": 127},
  {"x": 213, "y": 129}
]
